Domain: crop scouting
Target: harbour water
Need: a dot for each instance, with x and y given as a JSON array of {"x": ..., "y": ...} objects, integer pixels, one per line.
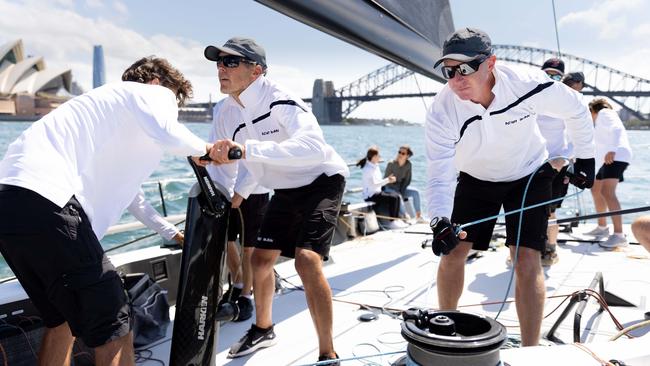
[{"x": 351, "y": 142}]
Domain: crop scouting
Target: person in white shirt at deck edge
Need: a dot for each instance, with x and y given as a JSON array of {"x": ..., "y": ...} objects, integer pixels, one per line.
[
  {"x": 285, "y": 151},
  {"x": 65, "y": 180},
  {"x": 483, "y": 124}
]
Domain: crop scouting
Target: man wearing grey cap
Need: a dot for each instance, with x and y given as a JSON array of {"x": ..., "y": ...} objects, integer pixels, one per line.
[
  {"x": 483, "y": 125},
  {"x": 283, "y": 148}
]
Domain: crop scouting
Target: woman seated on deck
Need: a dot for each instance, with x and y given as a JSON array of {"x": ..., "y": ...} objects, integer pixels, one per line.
[
  {"x": 401, "y": 169},
  {"x": 372, "y": 184}
]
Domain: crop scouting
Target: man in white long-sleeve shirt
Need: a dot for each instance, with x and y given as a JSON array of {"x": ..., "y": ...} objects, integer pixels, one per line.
[
  {"x": 284, "y": 150},
  {"x": 246, "y": 214},
  {"x": 483, "y": 124},
  {"x": 65, "y": 180},
  {"x": 146, "y": 214}
]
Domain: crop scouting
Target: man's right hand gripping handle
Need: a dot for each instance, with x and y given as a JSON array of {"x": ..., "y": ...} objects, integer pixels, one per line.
[{"x": 445, "y": 236}]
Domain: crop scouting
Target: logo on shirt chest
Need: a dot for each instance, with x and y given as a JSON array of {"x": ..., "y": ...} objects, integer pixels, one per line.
[
  {"x": 512, "y": 122},
  {"x": 270, "y": 132}
]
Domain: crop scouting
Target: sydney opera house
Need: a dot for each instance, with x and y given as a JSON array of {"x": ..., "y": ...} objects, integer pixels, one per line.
[{"x": 28, "y": 89}]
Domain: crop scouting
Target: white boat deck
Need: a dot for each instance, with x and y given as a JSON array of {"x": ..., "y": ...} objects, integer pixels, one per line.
[{"x": 391, "y": 270}]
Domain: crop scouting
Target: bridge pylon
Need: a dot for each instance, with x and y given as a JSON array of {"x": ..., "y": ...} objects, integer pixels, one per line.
[{"x": 326, "y": 108}]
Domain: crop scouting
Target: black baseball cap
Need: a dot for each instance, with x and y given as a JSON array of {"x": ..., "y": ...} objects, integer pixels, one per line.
[
  {"x": 465, "y": 44},
  {"x": 238, "y": 46},
  {"x": 554, "y": 64}
]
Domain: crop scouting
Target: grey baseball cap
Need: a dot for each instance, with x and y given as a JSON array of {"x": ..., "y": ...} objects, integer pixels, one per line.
[
  {"x": 464, "y": 45},
  {"x": 238, "y": 46}
]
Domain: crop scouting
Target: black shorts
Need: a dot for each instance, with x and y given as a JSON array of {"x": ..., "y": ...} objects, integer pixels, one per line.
[
  {"x": 612, "y": 171},
  {"x": 61, "y": 265},
  {"x": 559, "y": 189},
  {"x": 476, "y": 199},
  {"x": 252, "y": 209},
  {"x": 303, "y": 217}
]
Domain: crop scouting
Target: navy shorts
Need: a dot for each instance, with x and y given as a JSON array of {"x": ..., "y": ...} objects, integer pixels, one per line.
[
  {"x": 303, "y": 217},
  {"x": 252, "y": 210},
  {"x": 612, "y": 171},
  {"x": 476, "y": 199},
  {"x": 61, "y": 265}
]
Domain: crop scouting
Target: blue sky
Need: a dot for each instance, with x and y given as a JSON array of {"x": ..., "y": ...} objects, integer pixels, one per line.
[{"x": 612, "y": 32}]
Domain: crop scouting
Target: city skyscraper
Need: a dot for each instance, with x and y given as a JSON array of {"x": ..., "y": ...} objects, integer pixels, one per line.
[{"x": 99, "y": 73}]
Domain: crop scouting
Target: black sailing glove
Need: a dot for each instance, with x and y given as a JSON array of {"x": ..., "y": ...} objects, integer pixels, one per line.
[
  {"x": 583, "y": 172},
  {"x": 444, "y": 236}
]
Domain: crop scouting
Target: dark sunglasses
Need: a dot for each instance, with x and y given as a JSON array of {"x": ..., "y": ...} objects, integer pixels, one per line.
[
  {"x": 403, "y": 153},
  {"x": 467, "y": 68},
  {"x": 231, "y": 61}
]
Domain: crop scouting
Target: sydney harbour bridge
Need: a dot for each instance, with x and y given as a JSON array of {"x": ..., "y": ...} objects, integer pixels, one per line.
[{"x": 630, "y": 92}]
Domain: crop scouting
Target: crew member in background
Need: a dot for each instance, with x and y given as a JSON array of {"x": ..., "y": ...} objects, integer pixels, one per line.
[
  {"x": 401, "y": 169},
  {"x": 284, "y": 150},
  {"x": 613, "y": 155},
  {"x": 558, "y": 146},
  {"x": 65, "y": 180},
  {"x": 146, "y": 214},
  {"x": 483, "y": 123},
  {"x": 574, "y": 80}
]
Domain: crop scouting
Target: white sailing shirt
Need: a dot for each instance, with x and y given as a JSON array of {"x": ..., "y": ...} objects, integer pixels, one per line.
[
  {"x": 553, "y": 131},
  {"x": 226, "y": 120},
  {"x": 610, "y": 135},
  {"x": 372, "y": 180},
  {"x": 99, "y": 147},
  {"x": 285, "y": 147},
  {"x": 501, "y": 143},
  {"x": 146, "y": 214}
]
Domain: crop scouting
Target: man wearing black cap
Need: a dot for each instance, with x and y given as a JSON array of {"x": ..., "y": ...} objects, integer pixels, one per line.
[
  {"x": 483, "y": 124},
  {"x": 283, "y": 149},
  {"x": 557, "y": 145}
]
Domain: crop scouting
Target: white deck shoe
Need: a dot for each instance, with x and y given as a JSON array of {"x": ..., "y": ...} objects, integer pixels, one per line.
[
  {"x": 614, "y": 241},
  {"x": 598, "y": 232}
]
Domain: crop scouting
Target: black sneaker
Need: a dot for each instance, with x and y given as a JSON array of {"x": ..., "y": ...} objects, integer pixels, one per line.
[
  {"x": 254, "y": 339},
  {"x": 246, "y": 308},
  {"x": 231, "y": 295},
  {"x": 335, "y": 360}
]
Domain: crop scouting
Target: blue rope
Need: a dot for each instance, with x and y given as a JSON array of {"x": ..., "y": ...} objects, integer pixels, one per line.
[
  {"x": 458, "y": 229},
  {"x": 521, "y": 215},
  {"x": 524, "y": 199}
]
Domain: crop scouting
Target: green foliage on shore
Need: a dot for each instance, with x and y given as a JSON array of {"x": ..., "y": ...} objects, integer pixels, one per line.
[
  {"x": 636, "y": 124},
  {"x": 381, "y": 122}
]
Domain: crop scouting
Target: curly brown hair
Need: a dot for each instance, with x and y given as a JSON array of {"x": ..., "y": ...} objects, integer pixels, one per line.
[
  {"x": 598, "y": 104},
  {"x": 149, "y": 68}
]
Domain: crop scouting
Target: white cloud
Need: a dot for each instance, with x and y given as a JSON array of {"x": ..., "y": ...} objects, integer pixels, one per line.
[
  {"x": 609, "y": 18},
  {"x": 65, "y": 3},
  {"x": 642, "y": 31},
  {"x": 65, "y": 39},
  {"x": 94, "y": 4},
  {"x": 54, "y": 33},
  {"x": 120, "y": 7},
  {"x": 629, "y": 62}
]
